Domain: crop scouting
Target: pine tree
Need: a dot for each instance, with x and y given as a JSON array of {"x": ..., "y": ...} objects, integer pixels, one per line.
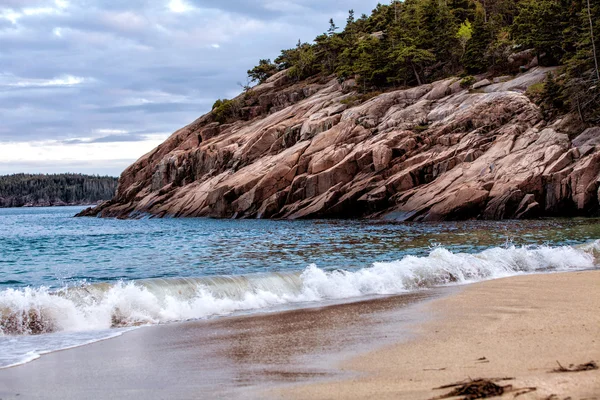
[
  {"x": 540, "y": 25},
  {"x": 593, "y": 39},
  {"x": 262, "y": 71},
  {"x": 474, "y": 58},
  {"x": 350, "y": 19},
  {"x": 332, "y": 28}
]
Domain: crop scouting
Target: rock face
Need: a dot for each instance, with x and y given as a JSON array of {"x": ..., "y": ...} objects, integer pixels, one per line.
[{"x": 433, "y": 152}]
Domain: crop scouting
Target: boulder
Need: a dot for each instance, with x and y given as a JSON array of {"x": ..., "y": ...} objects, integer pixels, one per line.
[
  {"x": 500, "y": 79},
  {"x": 589, "y": 137},
  {"x": 521, "y": 58},
  {"x": 521, "y": 82},
  {"x": 480, "y": 84}
]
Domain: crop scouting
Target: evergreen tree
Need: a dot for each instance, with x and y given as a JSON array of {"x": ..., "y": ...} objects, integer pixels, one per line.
[
  {"x": 541, "y": 25},
  {"x": 464, "y": 35},
  {"x": 332, "y": 28},
  {"x": 583, "y": 86},
  {"x": 350, "y": 19},
  {"x": 46, "y": 190},
  {"x": 593, "y": 38},
  {"x": 474, "y": 58},
  {"x": 411, "y": 42},
  {"x": 262, "y": 71}
]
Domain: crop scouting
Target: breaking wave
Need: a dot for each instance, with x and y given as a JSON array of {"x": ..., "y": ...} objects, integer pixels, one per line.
[{"x": 124, "y": 304}]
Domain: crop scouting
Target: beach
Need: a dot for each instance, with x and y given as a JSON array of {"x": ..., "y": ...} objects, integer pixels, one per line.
[
  {"x": 396, "y": 347},
  {"x": 228, "y": 357},
  {"x": 517, "y": 327}
]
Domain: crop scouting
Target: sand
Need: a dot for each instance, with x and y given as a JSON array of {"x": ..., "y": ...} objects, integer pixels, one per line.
[
  {"x": 516, "y": 327},
  {"x": 225, "y": 358},
  {"x": 389, "y": 348}
]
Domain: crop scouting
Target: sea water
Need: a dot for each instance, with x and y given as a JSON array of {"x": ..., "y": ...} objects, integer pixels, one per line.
[{"x": 67, "y": 281}]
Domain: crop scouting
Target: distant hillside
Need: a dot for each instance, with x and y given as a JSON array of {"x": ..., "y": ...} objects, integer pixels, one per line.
[{"x": 27, "y": 190}]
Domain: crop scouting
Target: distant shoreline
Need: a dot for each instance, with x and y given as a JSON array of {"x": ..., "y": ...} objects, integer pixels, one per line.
[
  {"x": 55, "y": 205},
  {"x": 27, "y": 190}
]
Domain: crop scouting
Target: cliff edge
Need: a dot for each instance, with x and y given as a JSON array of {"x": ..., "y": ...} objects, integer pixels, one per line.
[{"x": 318, "y": 149}]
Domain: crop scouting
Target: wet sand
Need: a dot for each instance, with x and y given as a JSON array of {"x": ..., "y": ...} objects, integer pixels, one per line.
[
  {"x": 389, "y": 348},
  {"x": 226, "y": 358},
  {"x": 517, "y": 327}
]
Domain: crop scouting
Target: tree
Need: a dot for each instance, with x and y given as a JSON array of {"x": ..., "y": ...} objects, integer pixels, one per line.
[
  {"x": 582, "y": 88},
  {"x": 327, "y": 50},
  {"x": 332, "y": 28},
  {"x": 416, "y": 59},
  {"x": 474, "y": 58},
  {"x": 42, "y": 190},
  {"x": 593, "y": 40},
  {"x": 462, "y": 10},
  {"x": 224, "y": 110},
  {"x": 366, "y": 63},
  {"x": 262, "y": 71},
  {"x": 437, "y": 35},
  {"x": 287, "y": 59},
  {"x": 301, "y": 61},
  {"x": 464, "y": 34},
  {"x": 540, "y": 25},
  {"x": 410, "y": 42},
  {"x": 350, "y": 19},
  {"x": 551, "y": 97}
]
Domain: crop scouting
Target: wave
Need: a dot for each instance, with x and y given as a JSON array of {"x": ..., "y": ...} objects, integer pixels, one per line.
[{"x": 102, "y": 306}]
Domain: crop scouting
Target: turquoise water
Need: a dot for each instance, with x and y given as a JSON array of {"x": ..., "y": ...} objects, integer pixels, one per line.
[
  {"x": 68, "y": 281},
  {"x": 46, "y": 246}
]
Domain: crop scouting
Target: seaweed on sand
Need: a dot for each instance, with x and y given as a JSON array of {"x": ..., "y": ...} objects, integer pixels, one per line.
[
  {"x": 475, "y": 389},
  {"x": 480, "y": 389}
]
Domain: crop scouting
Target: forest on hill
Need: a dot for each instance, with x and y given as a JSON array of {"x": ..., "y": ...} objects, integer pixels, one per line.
[
  {"x": 410, "y": 42},
  {"x": 20, "y": 190}
]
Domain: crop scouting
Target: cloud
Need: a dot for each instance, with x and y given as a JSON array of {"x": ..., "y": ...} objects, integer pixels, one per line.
[
  {"x": 116, "y": 138},
  {"x": 70, "y": 69},
  {"x": 179, "y": 6},
  {"x": 110, "y": 156},
  {"x": 62, "y": 81}
]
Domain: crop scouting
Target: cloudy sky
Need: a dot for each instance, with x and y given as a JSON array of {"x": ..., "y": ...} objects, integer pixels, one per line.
[{"x": 91, "y": 85}]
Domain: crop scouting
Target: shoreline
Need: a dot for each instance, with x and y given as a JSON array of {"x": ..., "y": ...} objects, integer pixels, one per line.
[
  {"x": 228, "y": 357},
  {"x": 517, "y": 327},
  {"x": 397, "y": 347},
  {"x": 26, "y": 207}
]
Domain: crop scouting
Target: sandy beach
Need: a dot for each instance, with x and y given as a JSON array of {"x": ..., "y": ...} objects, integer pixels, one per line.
[
  {"x": 517, "y": 327},
  {"x": 225, "y": 358},
  {"x": 388, "y": 348}
]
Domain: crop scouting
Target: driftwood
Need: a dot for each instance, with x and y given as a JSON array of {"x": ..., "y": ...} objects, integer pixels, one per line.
[{"x": 576, "y": 368}]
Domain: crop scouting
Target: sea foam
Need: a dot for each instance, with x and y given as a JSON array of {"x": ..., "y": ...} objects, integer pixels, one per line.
[{"x": 125, "y": 304}]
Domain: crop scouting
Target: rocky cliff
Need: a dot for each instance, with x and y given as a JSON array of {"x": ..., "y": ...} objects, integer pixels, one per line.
[{"x": 317, "y": 150}]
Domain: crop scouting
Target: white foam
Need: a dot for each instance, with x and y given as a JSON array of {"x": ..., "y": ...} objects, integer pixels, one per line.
[
  {"x": 20, "y": 350},
  {"x": 126, "y": 304}
]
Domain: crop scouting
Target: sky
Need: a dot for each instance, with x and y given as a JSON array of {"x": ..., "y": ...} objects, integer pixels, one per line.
[{"x": 90, "y": 86}]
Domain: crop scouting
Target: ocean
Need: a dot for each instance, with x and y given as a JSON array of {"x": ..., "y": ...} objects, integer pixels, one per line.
[{"x": 67, "y": 282}]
